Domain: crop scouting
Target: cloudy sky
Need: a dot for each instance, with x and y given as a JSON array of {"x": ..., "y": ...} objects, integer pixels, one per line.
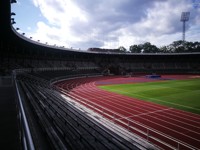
[{"x": 106, "y": 23}]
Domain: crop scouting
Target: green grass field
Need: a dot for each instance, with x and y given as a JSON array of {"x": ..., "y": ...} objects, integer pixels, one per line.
[{"x": 179, "y": 94}]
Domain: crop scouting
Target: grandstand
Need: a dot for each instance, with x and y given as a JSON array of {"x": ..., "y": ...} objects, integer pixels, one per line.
[{"x": 37, "y": 116}]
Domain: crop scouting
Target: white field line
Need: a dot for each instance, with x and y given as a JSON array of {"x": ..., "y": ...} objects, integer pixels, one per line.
[
  {"x": 131, "y": 109},
  {"x": 159, "y": 115},
  {"x": 150, "y": 106},
  {"x": 159, "y": 100},
  {"x": 85, "y": 86},
  {"x": 120, "y": 130},
  {"x": 136, "y": 105},
  {"x": 163, "y": 96},
  {"x": 195, "y": 116},
  {"x": 197, "y": 127},
  {"x": 147, "y": 113},
  {"x": 180, "y": 133},
  {"x": 166, "y": 87}
]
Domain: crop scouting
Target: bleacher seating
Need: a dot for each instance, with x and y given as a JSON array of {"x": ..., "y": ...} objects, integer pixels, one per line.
[
  {"x": 67, "y": 126},
  {"x": 63, "y": 124}
]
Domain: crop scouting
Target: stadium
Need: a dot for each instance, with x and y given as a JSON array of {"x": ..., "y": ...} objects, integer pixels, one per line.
[{"x": 58, "y": 98}]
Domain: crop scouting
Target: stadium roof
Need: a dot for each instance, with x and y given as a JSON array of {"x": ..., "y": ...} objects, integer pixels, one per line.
[
  {"x": 106, "y": 23},
  {"x": 9, "y": 34}
]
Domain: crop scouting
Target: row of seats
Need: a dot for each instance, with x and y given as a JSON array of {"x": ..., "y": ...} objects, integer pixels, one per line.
[
  {"x": 64, "y": 124},
  {"x": 7, "y": 65},
  {"x": 50, "y": 74},
  {"x": 162, "y": 66}
]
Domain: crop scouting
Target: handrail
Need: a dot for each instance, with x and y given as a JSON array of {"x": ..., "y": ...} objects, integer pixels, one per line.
[
  {"x": 116, "y": 114},
  {"x": 179, "y": 143},
  {"x": 42, "y": 93},
  {"x": 27, "y": 138},
  {"x": 68, "y": 77}
]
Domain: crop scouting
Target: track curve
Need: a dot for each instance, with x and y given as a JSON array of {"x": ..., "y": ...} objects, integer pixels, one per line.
[{"x": 166, "y": 127}]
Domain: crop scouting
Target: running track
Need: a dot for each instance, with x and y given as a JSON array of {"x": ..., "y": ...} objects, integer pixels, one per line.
[{"x": 166, "y": 127}]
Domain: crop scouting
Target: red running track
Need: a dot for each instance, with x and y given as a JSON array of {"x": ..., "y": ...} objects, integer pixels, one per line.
[{"x": 166, "y": 127}]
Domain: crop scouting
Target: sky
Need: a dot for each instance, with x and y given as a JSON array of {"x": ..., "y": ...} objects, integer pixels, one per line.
[{"x": 81, "y": 24}]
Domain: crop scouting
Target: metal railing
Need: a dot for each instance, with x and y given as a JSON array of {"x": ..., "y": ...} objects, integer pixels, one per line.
[
  {"x": 127, "y": 123},
  {"x": 26, "y": 138},
  {"x": 147, "y": 132}
]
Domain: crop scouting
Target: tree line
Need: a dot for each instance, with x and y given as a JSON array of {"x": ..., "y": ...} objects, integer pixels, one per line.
[{"x": 175, "y": 47}]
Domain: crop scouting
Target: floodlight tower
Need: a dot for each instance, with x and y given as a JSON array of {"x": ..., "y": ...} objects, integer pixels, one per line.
[{"x": 184, "y": 17}]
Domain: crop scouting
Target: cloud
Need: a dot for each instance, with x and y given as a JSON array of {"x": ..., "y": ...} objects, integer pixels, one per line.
[
  {"x": 111, "y": 23},
  {"x": 28, "y": 28}
]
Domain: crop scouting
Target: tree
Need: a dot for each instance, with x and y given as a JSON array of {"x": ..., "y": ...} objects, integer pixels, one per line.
[
  {"x": 175, "y": 47},
  {"x": 135, "y": 49},
  {"x": 196, "y": 47},
  {"x": 149, "y": 48},
  {"x": 164, "y": 49},
  {"x": 122, "y": 49}
]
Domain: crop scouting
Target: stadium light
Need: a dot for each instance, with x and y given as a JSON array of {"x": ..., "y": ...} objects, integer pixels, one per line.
[
  {"x": 12, "y": 14},
  {"x": 184, "y": 17},
  {"x": 13, "y": 1},
  {"x": 13, "y": 22}
]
